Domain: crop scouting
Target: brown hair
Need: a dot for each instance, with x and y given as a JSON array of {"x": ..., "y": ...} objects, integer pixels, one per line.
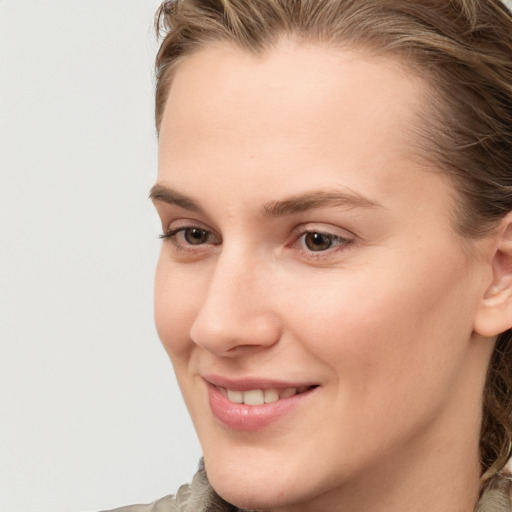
[{"x": 462, "y": 49}]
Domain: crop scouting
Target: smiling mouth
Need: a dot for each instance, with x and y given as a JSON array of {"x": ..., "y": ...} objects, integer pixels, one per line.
[{"x": 261, "y": 396}]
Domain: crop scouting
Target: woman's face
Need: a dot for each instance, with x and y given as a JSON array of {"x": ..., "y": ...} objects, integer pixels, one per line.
[{"x": 311, "y": 272}]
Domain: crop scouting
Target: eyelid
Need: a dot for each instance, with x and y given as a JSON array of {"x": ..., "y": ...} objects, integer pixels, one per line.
[
  {"x": 326, "y": 229},
  {"x": 344, "y": 237},
  {"x": 177, "y": 224},
  {"x": 175, "y": 227}
]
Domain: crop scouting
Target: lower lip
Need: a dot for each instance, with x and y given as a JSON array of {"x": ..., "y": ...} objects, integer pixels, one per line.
[{"x": 251, "y": 417}]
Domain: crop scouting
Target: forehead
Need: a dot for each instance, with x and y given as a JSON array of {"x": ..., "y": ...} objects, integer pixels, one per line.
[
  {"x": 298, "y": 79},
  {"x": 295, "y": 87},
  {"x": 290, "y": 118}
]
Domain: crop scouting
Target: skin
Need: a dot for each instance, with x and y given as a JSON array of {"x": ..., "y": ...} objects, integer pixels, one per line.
[{"x": 391, "y": 322}]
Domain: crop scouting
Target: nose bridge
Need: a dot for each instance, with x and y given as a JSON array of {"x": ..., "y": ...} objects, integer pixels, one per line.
[{"x": 236, "y": 308}]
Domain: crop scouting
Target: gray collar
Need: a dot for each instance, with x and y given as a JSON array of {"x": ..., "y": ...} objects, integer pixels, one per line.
[{"x": 199, "y": 496}]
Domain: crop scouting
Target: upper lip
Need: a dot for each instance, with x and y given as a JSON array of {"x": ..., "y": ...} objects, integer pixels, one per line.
[{"x": 248, "y": 383}]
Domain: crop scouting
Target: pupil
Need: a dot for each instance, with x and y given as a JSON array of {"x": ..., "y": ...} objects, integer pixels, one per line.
[
  {"x": 318, "y": 241},
  {"x": 195, "y": 236}
]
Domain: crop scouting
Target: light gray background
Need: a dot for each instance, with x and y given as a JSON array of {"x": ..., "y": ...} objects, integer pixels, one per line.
[{"x": 90, "y": 415}]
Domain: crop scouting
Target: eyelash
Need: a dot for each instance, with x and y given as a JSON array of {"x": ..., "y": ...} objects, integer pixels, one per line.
[
  {"x": 337, "y": 242},
  {"x": 172, "y": 234}
]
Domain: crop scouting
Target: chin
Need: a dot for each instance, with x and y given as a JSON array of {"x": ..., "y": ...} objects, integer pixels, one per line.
[
  {"x": 252, "y": 497},
  {"x": 250, "y": 501},
  {"x": 247, "y": 487},
  {"x": 240, "y": 485}
]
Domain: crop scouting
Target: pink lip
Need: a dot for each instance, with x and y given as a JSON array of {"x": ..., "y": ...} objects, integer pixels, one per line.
[
  {"x": 251, "y": 417},
  {"x": 247, "y": 383}
]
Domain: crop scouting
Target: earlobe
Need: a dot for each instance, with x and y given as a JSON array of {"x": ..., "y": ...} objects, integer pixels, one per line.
[{"x": 494, "y": 314}]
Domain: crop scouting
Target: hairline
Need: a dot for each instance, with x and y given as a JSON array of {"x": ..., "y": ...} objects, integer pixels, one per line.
[{"x": 426, "y": 122}]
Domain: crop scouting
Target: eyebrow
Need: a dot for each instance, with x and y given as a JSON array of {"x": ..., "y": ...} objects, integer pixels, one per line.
[
  {"x": 315, "y": 200},
  {"x": 290, "y": 206},
  {"x": 167, "y": 195}
]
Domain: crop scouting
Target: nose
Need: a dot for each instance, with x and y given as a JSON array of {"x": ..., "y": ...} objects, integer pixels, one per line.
[{"x": 236, "y": 314}]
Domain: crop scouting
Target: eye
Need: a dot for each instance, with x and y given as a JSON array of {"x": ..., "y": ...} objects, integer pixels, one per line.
[
  {"x": 316, "y": 241},
  {"x": 195, "y": 236},
  {"x": 188, "y": 236}
]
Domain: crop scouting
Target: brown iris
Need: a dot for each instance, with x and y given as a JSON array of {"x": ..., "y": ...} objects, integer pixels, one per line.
[
  {"x": 318, "y": 241},
  {"x": 195, "y": 236}
]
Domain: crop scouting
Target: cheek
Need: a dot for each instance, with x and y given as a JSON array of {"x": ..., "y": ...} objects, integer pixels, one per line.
[
  {"x": 393, "y": 348},
  {"x": 176, "y": 299},
  {"x": 377, "y": 325}
]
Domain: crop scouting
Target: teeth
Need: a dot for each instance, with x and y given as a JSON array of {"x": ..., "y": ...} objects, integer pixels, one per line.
[
  {"x": 271, "y": 395},
  {"x": 261, "y": 396},
  {"x": 235, "y": 396},
  {"x": 288, "y": 392},
  {"x": 254, "y": 397}
]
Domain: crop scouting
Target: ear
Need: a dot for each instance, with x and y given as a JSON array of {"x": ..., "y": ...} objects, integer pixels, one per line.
[{"x": 494, "y": 314}]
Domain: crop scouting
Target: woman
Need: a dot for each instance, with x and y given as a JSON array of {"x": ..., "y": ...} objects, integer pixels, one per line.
[{"x": 335, "y": 283}]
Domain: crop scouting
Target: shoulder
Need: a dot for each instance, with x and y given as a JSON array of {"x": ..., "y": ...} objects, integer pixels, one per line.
[
  {"x": 200, "y": 497},
  {"x": 166, "y": 504},
  {"x": 185, "y": 500},
  {"x": 195, "y": 497},
  {"x": 497, "y": 497}
]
